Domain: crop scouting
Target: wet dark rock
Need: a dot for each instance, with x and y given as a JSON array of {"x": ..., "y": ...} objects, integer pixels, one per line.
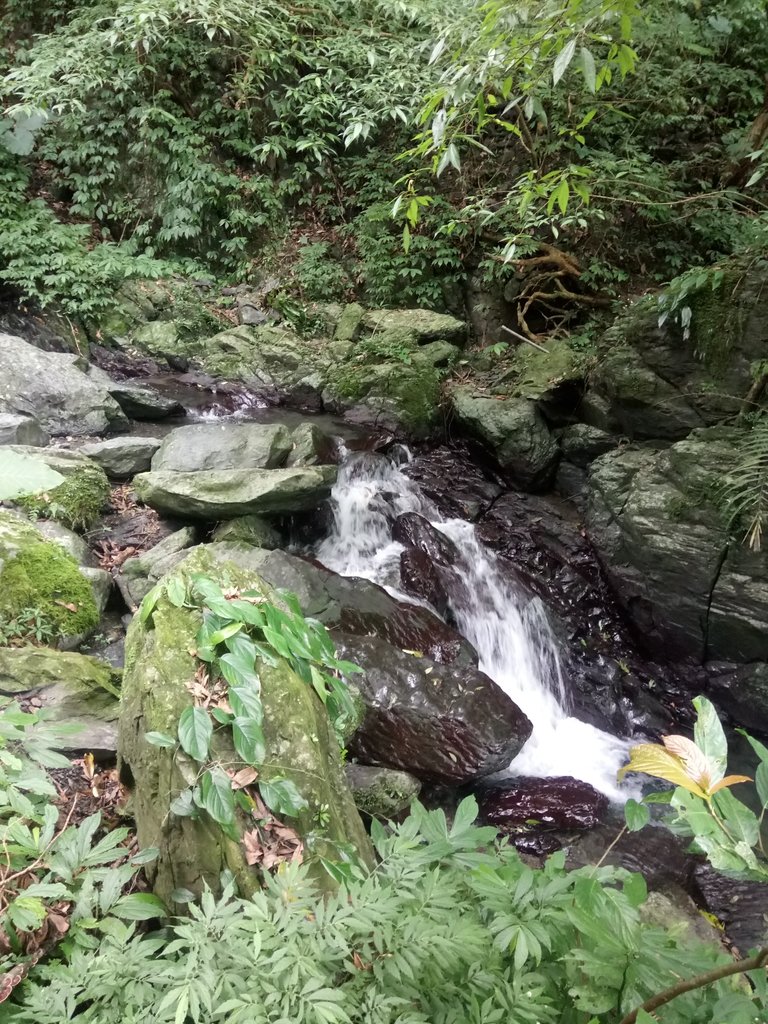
[
  {"x": 420, "y": 577},
  {"x": 122, "y": 365},
  {"x": 657, "y": 523},
  {"x": 453, "y": 478},
  {"x": 414, "y": 531},
  {"x": 742, "y": 690},
  {"x": 352, "y": 605},
  {"x": 514, "y": 431},
  {"x": 144, "y": 403},
  {"x": 659, "y": 856},
  {"x": 562, "y": 803},
  {"x": 444, "y": 724},
  {"x": 741, "y": 906}
]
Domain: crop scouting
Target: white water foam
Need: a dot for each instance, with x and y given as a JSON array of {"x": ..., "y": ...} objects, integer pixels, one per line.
[{"x": 509, "y": 629}]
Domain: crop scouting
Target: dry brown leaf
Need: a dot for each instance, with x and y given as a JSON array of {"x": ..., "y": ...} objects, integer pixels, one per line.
[
  {"x": 69, "y": 605},
  {"x": 243, "y": 778}
]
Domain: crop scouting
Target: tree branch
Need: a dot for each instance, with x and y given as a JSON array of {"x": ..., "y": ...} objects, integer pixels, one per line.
[{"x": 752, "y": 963}]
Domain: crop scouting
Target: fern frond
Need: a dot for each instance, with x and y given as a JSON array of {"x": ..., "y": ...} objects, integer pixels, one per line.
[{"x": 746, "y": 488}]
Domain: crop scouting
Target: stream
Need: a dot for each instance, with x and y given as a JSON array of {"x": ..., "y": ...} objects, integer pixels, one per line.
[{"x": 509, "y": 628}]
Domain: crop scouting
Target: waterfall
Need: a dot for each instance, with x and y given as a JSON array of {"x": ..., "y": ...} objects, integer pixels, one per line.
[{"x": 509, "y": 629}]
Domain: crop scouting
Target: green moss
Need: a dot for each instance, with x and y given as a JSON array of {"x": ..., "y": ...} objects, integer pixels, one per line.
[
  {"x": 44, "y": 577},
  {"x": 77, "y": 503}
]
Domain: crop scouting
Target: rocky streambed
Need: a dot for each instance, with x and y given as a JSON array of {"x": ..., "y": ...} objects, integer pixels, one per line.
[{"x": 525, "y": 593}]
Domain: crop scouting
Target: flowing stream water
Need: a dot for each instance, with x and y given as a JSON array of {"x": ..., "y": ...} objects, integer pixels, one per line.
[{"x": 508, "y": 628}]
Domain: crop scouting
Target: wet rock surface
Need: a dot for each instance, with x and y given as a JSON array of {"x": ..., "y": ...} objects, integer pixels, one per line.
[
  {"x": 559, "y": 803},
  {"x": 443, "y": 724}
]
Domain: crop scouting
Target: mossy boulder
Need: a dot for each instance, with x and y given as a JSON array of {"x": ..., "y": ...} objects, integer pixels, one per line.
[
  {"x": 665, "y": 370},
  {"x": 299, "y": 739},
  {"x": 255, "y": 530},
  {"x": 200, "y": 446},
  {"x": 538, "y": 373},
  {"x": 227, "y": 493},
  {"x": 515, "y": 432},
  {"x": 424, "y": 324},
  {"x": 79, "y": 501},
  {"x": 73, "y": 688},
  {"x": 657, "y": 521},
  {"x": 39, "y": 574},
  {"x": 381, "y": 792}
]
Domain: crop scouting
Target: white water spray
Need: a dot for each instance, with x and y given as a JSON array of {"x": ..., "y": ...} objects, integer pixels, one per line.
[{"x": 508, "y": 628}]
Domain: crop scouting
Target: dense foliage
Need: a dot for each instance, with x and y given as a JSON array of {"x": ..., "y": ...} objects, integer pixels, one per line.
[
  {"x": 146, "y": 135},
  {"x": 449, "y": 929}
]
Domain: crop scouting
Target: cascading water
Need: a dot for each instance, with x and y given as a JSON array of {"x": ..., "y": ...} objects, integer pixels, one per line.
[{"x": 509, "y": 629}]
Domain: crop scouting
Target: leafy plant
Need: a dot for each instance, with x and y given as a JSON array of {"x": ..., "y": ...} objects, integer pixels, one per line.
[
  {"x": 745, "y": 489},
  {"x": 28, "y": 626},
  {"x": 450, "y": 927},
  {"x": 24, "y": 474},
  {"x": 240, "y": 629},
  {"x": 722, "y": 827},
  {"x": 61, "y": 884}
]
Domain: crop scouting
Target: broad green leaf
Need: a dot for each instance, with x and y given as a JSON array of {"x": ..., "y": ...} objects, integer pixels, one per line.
[
  {"x": 741, "y": 823},
  {"x": 248, "y": 738},
  {"x": 220, "y": 635},
  {"x": 710, "y": 738},
  {"x": 159, "y": 739},
  {"x": 149, "y": 603},
  {"x": 176, "y": 591},
  {"x": 184, "y": 806},
  {"x": 282, "y": 797},
  {"x": 635, "y": 889},
  {"x": 245, "y": 701},
  {"x": 25, "y": 474},
  {"x": 761, "y": 782},
  {"x": 216, "y": 796},
  {"x": 588, "y": 69},
  {"x": 195, "y": 731},
  {"x": 139, "y": 906},
  {"x": 562, "y": 60},
  {"x": 636, "y": 815},
  {"x": 26, "y": 913}
]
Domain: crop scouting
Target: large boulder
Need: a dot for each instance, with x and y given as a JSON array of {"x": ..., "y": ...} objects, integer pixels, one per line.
[
  {"x": 16, "y": 428},
  {"x": 300, "y": 746},
  {"x": 39, "y": 579},
  {"x": 217, "y": 446},
  {"x": 72, "y": 688},
  {"x": 227, "y": 493},
  {"x": 79, "y": 500},
  {"x": 447, "y": 724},
  {"x": 423, "y": 324},
  {"x": 658, "y": 524},
  {"x": 399, "y": 394},
  {"x": 122, "y": 457},
  {"x": 52, "y": 387},
  {"x": 514, "y": 431},
  {"x": 663, "y": 372}
]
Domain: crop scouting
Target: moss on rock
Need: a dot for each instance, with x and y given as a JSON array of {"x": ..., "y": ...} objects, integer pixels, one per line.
[
  {"x": 300, "y": 747},
  {"x": 39, "y": 574},
  {"x": 77, "y": 503}
]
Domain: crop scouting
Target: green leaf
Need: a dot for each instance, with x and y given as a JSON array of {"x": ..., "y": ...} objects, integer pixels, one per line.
[
  {"x": 248, "y": 738},
  {"x": 635, "y": 889},
  {"x": 709, "y": 736},
  {"x": 149, "y": 603},
  {"x": 562, "y": 61},
  {"x": 160, "y": 739},
  {"x": 216, "y": 796},
  {"x": 184, "y": 806},
  {"x": 282, "y": 797},
  {"x": 26, "y": 913},
  {"x": 139, "y": 906},
  {"x": 761, "y": 782},
  {"x": 636, "y": 815},
  {"x": 195, "y": 731},
  {"x": 245, "y": 701},
  {"x": 588, "y": 69},
  {"x": 176, "y": 590},
  {"x": 220, "y": 635}
]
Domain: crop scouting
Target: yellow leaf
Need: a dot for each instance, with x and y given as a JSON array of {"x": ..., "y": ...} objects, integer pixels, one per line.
[
  {"x": 729, "y": 780},
  {"x": 653, "y": 759},
  {"x": 415, "y": 654}
]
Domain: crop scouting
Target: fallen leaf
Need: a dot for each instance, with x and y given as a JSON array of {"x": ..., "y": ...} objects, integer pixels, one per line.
[
  {"x": 243, "y": 778},
  {"x": 67, "y": 604}
]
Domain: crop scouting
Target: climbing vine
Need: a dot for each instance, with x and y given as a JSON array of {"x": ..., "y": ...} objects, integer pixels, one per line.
[{"x": 239, "y": 630}]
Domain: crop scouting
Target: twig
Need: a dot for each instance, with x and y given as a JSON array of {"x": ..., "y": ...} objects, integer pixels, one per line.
[
  {"x": 522, "y": 337},
  {"x": 752, "y": 963},
  {"x": 608, "y": 849}
]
